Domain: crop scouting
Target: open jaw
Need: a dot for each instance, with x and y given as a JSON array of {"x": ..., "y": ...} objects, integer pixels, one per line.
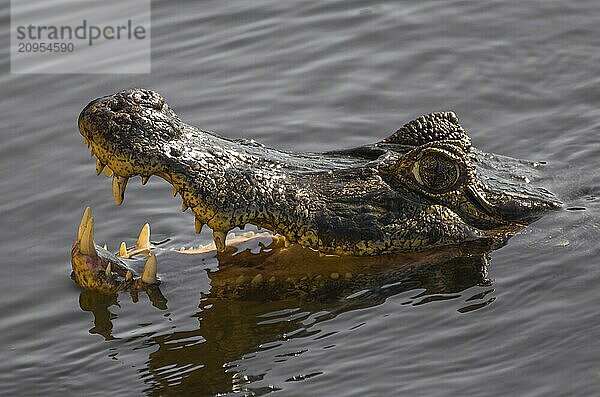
[
  {"x": 96, "y": 268},
  {"x": 423, "y": 187}
]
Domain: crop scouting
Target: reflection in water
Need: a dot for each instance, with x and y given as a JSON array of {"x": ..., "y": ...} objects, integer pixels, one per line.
[
  {"x": 260, "y": 299},
  {"x": 98, "y": 304}
]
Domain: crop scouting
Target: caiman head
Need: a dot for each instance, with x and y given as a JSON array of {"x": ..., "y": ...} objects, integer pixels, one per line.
[{"x": 423, "y": 187}]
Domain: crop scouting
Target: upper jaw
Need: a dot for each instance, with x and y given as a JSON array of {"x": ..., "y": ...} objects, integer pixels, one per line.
[{"x": 134, "y": 133}]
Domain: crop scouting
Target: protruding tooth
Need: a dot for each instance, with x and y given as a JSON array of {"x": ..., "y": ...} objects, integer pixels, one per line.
[
  {"x": 145, "y": 179},
  {"x": 86, "y": 215},
  {"x": 174, "y": 190},
  {"x": 150, "y": 269},
  {"x": 108, "y": 172},
  {"x": 197, "y": 225},
  {"x": 99, "y": 166},
  {"x": 105, "y": 247},
  {"x": 91, "y": 151},
  {"x": 86, "y": 244},
  {"x": 123, "y": 250},
  {"x": 108, "y": 270},
  {"x": 184, "y": 206},
  {"x": 219, "y": 238},
  {"x": 118, "y": 185},
  {"x": 128, "y": 275},
  {"x": 87, "y": 142},
  {"x": 143, "y": 240}
]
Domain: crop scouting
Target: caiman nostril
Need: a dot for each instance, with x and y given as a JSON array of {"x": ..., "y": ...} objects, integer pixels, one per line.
[
  {"x": 115, "y": 105},
  {"x": 146, "y": 98}
]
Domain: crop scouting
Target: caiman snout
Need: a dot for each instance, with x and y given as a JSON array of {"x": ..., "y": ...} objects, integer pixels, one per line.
[
  {"x": 115, "y": 121},
  {"x": 130, "y": 134}
]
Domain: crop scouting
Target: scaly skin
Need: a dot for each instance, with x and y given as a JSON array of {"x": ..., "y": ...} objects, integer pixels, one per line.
[{"x": 421, "y": 188}]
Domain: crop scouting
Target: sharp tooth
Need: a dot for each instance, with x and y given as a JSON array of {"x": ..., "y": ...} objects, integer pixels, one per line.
[
  {"x": 99, "y": 166},
  {"x": 118, "y": 185},
  {"x": 143, "y": 240},
  {"x": 86, "y": 215},
  {"x": 123, "y": 250},
  {"x": 150, "y": 269},
  {"x": 219, "y": 238},
  {"x": 174, "y": 190},
  {"x": 145, "y": 179},
  {"x": 128, "y": 275},
  {"x": 108, "y": 270},
  {"x": 108, "y": 172},
  {"x": 86, "y": 245},
  {"x": 87, "y": 142},
  {"x": 105, "y": 247},
  {"x": 197, "y": 225},
  {"x": 184, "y": 207},
  {"x": 91, "y": 151}
]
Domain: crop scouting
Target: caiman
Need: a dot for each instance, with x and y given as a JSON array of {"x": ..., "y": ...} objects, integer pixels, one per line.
[{"x": 422, "y": 188}]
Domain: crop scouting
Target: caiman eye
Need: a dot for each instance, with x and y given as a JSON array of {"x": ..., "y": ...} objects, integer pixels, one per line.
[{"x": 436, "y": 172}]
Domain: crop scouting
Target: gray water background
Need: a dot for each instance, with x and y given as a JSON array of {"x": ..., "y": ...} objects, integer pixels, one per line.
[{"x": 524, "y": 78}]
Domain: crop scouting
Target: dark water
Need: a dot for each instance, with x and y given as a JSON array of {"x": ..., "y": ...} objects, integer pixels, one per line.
[{"x": 523, "y": 77}]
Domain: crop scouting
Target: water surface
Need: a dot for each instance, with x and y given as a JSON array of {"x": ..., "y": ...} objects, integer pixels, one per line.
[{"x": 524, "y": 79}]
